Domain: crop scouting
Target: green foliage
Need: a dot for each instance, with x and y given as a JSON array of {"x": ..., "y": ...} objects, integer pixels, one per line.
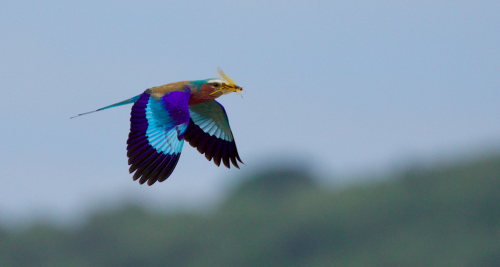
[{"x": 444, "y": 217}]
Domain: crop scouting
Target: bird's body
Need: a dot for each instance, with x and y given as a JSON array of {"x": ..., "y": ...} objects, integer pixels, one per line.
[{"x": 164, "y": 116}]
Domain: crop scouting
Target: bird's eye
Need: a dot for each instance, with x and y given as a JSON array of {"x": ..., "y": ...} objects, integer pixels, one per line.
[{"x": 216, "y": 85}]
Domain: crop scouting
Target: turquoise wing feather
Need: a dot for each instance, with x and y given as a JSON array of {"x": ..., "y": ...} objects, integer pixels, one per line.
[{"x": 210, "y": 133}]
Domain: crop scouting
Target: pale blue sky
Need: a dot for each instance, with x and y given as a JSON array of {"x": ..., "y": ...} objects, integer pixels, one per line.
[{"x": 347, "y": 86}]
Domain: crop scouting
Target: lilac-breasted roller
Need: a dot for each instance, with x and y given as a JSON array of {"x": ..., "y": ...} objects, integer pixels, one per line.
[{"x": 164, "y": 116}]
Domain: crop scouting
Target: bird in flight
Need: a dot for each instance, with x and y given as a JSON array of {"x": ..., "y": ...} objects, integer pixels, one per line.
[{"x": 164, "y": 116}]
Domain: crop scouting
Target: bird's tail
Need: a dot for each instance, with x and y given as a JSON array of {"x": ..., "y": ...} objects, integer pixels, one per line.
[{"x": 124, "y": 102}]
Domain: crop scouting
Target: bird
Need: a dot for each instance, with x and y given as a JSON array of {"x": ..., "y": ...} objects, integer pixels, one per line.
[{"x": 165, "y": 116}]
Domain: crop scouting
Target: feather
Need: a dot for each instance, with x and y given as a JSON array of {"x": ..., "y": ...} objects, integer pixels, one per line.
[
  {"x": 155, "y": 138},
  {"x": 209, "y": 152},
  {"x": 209, "y": 132},
  {"x": 169, "y": 168}
]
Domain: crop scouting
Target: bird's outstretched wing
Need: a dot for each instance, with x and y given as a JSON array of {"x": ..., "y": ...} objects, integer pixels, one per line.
[
  {"x": 157, "y": 128},
  {"x": 210, "y": 133}
]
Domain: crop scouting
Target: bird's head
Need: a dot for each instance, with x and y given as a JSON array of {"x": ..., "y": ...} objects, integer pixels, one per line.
[{"x": 223, "y": 85}]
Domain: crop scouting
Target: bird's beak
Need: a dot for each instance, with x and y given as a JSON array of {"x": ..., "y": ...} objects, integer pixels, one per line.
[{"x": 229, "y": 88}]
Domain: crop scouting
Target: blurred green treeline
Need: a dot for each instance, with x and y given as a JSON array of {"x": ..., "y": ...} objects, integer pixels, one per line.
[{"x": 447, "y": 216}]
